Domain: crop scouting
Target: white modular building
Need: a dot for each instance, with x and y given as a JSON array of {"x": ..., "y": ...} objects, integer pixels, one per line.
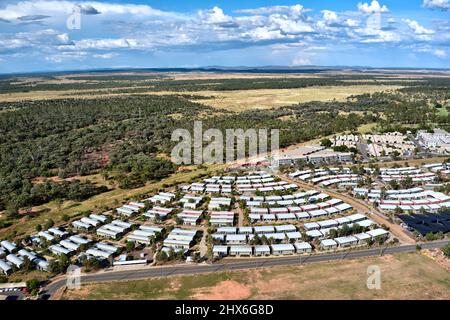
[
  {"x": 79, "y": 240},
  {"x": 99, "y": 217},
  {"x": 282, "y": 249},
  {"x": 262, "y": 250},
  {"x": 99, "y": 253},
  {"x": 9, "y": 246},
  {"x": 241, "y": 250},
  {"x": 5, "y": 267},
  {"x": 220, "y": 251},
  {"x": 346, "y": 241},
  {"x": 107, "y": 247},
  {"x": 57, "y": 232},
  {"x": 15, "y": 260},
  {"x": 69, "y": 245},
  {"x": 90, "y": 221},
  {"x": 328, "y": 244},
  {"x": 81, "y": 225},
  {"x": 302, "y": 247},
  {"x": 378, "y": 233},
  {"x": 29, "y": 254}
]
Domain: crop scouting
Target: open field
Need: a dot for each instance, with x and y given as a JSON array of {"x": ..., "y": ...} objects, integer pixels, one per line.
[
  {"x": 403, "y": 276},
  {"x": 234, "y": 100},
  {"x": 240, "y": 100},
  {"x": 414, "y": 162},
  {"x": 366, "y": 128}
]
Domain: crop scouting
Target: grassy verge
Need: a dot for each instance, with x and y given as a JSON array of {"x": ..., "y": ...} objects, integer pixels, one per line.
[{"x": 403, "y": 276}]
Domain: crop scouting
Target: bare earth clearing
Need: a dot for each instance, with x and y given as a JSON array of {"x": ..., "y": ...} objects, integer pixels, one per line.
[{"x": 403, "y": 276}]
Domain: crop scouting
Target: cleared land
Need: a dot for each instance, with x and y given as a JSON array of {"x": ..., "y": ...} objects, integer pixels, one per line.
[
  {"x": 403, "y": 276},
  {"x": 234, "y": 100},
  {"x": 240, "y": 100}
]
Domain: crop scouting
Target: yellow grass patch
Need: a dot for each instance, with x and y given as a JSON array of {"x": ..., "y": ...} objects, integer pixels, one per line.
[{"x": 241, "y": 100}]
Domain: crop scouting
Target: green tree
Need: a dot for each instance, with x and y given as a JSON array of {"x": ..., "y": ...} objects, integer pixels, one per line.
[
  {"x": 33, "y": 286},
  {"x": 326, "y": 143},
  {"x": 130, "y": 246},
  {"x": 446, "y": 250}
]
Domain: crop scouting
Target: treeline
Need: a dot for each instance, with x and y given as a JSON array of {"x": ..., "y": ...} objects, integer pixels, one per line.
[
  {"x": 77, "y": 137},
  {"x": 39, "y": 193},
  {"x": 140, "y": 83}
]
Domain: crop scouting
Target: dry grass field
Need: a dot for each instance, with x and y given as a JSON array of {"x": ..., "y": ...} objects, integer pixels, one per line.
[
  {"x": 403, "y": 276},
  {"x": 271, "y": 98},
  {"x": 234, "y": 100}
]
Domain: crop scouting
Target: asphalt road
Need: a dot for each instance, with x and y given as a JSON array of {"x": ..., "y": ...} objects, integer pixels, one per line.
[{"x": 164, "y": 271}]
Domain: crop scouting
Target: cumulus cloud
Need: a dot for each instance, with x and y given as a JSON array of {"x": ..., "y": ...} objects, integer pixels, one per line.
[
  {"x": 417, "y": 28},
  {"x": 373, "y": 7},
  {"x": 351, "y": 22},
  {"x": 437, "y": 4},
  {"x": 215, "y": 15},
  {"x": 63, "y": 7},
  {"x": 440, "y": 53},
  {"x": 36, "y": 40},
  {"x": 113, "y": 29},
  {"x": 88, "y": 10},
  {"x": 294, "y": 10},
  {"x": 329, "y": 15}
]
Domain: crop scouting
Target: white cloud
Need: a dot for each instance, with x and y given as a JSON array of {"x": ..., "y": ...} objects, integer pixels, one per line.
[
  {"x": 104, "y": 55},
  {"x": 440, "y": 53},
  {"x": 101, "y": 44},
  {"x": 289, "y": 26},
  {"x": 374, "y": 7},
  {"x": 351, "y": 22},
  {"x": 302, "y": 59},
  {"x": 287, "y": 46},
  {"x": 263, "y": 33},
  {"x": 383, "y": 36},
  {"x": 417, "y": 28},
  {"x": 66, "y": 56},
  {"x": 294, "y": 10},
  {"x": 63, "y": 8},
  {"x": 329, "y": 15},
  {"x": 215, "y": 15},
  {"x": 437, "y": 4},
  {"x": 113, "y": 28}
]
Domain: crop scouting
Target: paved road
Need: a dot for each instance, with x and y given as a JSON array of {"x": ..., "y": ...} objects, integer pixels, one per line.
[
  {"x": 165, "y": 271},
  {"x": 363, "y": 149}
]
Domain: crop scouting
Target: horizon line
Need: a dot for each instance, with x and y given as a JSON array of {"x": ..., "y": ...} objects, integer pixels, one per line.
[{"x": 220, "y": 68}]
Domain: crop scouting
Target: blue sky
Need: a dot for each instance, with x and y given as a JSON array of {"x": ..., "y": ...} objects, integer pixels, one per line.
[{"x": 35, "y": 34}]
